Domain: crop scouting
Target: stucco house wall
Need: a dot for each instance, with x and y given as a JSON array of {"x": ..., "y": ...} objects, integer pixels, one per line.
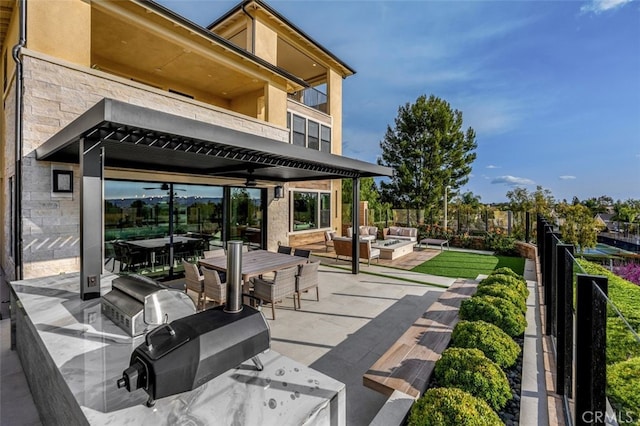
[{"x": 55, "y": 94}]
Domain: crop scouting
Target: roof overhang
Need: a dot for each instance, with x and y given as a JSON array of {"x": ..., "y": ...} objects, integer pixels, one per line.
[{"x": 140, "y": 138}]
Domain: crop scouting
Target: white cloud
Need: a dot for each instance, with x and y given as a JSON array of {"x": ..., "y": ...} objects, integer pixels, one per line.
[
  {"x": 491, "y": 166},
  {"x": 566, "y": 177},
  {"x": 512, "y": 180},
  {"x": 599, "y": 6}
]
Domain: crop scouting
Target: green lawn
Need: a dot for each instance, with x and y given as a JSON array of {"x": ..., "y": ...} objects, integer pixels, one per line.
[{"x": 456, "y": 264}]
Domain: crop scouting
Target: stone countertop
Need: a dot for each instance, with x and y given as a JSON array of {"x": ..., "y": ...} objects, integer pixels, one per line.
[{"x": 91, "y": 353}]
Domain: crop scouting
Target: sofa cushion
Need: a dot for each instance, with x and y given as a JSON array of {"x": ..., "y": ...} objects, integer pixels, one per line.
[
  {"x": 364, "y": 230},
  {"x": 405, "y": 232}
]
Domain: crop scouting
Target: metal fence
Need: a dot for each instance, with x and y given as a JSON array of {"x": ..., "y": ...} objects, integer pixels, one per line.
[{"x": 578, "y": 314}]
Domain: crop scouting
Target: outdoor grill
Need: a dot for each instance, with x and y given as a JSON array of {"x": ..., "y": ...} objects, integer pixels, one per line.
[
  {"x": 188, "y": 352},
  {"x": 138, "y": 304}
]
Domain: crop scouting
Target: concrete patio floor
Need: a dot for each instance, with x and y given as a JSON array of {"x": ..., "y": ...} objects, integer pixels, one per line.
[{"x": 356, "y": 320}]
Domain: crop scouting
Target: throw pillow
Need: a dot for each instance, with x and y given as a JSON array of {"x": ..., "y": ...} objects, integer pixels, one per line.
[{"x": 406, "y": 232}]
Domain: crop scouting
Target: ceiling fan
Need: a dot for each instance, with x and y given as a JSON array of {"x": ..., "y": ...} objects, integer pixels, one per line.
[
  {"x": 251, "y": 182},
  {"x": 164, "y": 187}
]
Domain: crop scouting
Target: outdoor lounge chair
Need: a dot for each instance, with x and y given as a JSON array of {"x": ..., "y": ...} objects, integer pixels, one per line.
[{"x": 274, "y": 291}]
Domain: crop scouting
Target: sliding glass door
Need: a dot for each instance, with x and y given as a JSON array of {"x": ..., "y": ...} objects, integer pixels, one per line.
[{"x": 150, "y": 226}]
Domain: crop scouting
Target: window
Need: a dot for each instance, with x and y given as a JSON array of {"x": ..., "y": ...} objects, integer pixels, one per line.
[
  {"x": 325, "y": 139},
  {"x": 325, "y": 210},
  {"x": 314, "y": 135},
  {"x": 299, "y": 134},
  {"x": 309, "y": 133},
  {"x": 311, "y": 210}
]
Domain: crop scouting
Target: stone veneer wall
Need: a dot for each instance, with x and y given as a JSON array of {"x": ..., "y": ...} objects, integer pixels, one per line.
[
  {"x": 55, "y": 94},
  {"x": 8, "y": 164},
  {"x": 527, "y": 250}
]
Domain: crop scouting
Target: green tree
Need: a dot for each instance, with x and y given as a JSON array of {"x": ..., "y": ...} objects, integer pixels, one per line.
[
  {"x": 428, "y": 150},
  {"x": 578, "y": 227},
  {"x": 468, "y": 205},
  {"x": 368, "y": 192},
  {"x": 521, "y": 201}
]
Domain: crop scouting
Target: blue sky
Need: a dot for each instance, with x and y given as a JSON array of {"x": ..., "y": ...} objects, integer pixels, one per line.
[{"x": 552, "y": 88}]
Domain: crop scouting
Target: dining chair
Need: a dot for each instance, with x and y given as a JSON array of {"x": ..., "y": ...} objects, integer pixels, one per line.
[
  {"x": 214, "y": 288},
  {"x": 284, "y": 249},
  {"x": 208, "y": 254},
  {"x": 193, "y": 280},
  {"x": 274, "y": 291},
  {"x": 302, "y": 253},
  {"x": 306, "y": 279}
]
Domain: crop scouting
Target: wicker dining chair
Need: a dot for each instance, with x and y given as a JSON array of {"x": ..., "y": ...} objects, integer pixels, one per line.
[
  {"x": 274, "y": 291},
  {"x": 307, "y": 279},
  {"x": 214, "y": 289},
  {"x": 193, "y": 280}
]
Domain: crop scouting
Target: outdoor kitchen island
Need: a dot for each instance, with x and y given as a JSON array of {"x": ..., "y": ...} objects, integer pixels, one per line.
[{"x": 73, "y": 357}]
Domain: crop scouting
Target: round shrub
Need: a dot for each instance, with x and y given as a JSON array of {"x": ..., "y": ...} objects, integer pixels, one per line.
[
  {"x": 471, "y": 371},
  {"x": 451, "y": 407},
  {"x": 509, "y": 281},
  {"x": 494, "y": 310},
  {"x": 490, "y": 339},
  {"x": 623, "y": 382},
  {"x": 506, "y": 271},
  {"x": 505, "y": 292}
]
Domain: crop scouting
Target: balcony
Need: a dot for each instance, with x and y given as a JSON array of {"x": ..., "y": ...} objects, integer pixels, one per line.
[{"x": 312, "y": 98}]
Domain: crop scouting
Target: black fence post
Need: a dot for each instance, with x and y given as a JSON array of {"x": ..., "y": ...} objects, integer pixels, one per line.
[
  {"x": 527, "y": 222},
  {"x": 564, "y": 319},
  {"x": 547, "y": 278},
  {"x": 591, "y": 350}
]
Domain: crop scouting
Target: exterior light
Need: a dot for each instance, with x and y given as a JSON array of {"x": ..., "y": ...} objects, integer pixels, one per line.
[{"x": 278, "y": 192}]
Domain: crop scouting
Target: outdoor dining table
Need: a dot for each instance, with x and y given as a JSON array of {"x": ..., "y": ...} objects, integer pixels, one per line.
[
  {"x": 151, "y": 245},
  {"x": 255, "y": 263}
]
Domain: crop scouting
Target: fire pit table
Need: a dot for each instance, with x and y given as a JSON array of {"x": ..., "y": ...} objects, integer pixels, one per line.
[{"x": 393, "y": 249}]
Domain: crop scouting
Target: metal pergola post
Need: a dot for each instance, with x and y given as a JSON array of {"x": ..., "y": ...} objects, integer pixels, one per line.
[
  {"x": 355, "y": 238},
  {"x": 91, "y": 218}
]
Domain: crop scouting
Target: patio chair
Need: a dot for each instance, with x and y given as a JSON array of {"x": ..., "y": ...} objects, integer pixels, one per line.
[
  {"x": 328, "y": 240},
  {"x": 302, "y": 253},
  {"x": 284, "y": 249},
  {"x": 208, "y": 254},
  {"x": 307, "y": 279},
  {"x": 274, "y": 291},
  {"x": 193, "y": 280},
  {"x": 214, "y": 288}
]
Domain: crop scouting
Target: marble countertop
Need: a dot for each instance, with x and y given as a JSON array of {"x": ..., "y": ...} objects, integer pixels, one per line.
[{"x": 91, "y": 353}]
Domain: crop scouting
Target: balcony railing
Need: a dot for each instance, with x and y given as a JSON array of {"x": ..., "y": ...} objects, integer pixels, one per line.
[{"x": 313, "y": 98}]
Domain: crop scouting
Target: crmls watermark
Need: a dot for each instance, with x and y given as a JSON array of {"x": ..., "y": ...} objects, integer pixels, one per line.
[{"x": 600, "y": 417}]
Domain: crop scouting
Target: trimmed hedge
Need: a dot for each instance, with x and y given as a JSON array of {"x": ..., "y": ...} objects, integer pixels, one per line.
[
  {"x": 509, "y": 281},
  {"x": 623, "y": 386},
  {"x": 471, "y": 371},
  {"x": 494, "y": 310},
  {"x": 497, "y": 345},
  {"x": 507, "y": 271},
  {"x": 505, "y": 292},
  {"x": 451, "y": 407}
]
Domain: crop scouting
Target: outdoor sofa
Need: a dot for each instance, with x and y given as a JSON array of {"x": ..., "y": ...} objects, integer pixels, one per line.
[
  {"x": 400, "y": 233},
  {"x": 366, "y": 232}
]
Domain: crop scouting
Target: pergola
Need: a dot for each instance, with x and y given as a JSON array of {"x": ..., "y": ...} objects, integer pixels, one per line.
[{"x": 118, "y": 134}]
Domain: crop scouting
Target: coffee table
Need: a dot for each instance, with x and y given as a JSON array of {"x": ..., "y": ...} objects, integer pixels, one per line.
[{"x": 393, "y": 249}]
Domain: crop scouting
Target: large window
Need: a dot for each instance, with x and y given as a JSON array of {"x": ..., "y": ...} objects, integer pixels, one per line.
[
  {"x": 299, "y": 134},
  {"x": 311, "y": 210},
  {"x": 308, "y": 133}
]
